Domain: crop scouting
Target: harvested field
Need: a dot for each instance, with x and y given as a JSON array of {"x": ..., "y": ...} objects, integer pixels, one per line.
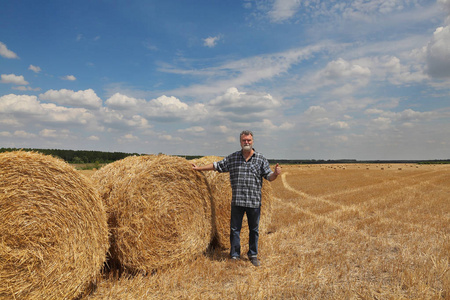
[{"x": 337, "y": 232}]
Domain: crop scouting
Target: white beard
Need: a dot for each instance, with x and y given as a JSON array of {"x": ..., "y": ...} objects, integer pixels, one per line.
[{"x": 247, "y": 148}]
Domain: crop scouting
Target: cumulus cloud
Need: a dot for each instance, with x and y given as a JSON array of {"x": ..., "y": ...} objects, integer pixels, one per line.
[
  {"x": 438, "y": 53},
  {"x": 69, "y": 78},
  {"x": 339, "y": 125},
  {"x": 23, "y": 134},
  {"x": 35, "y": 69},
  {"x": 87, "y": 98},
  {"x": 20, "y": 104},
  {"x": 165, "y": 108},
  {"x": 118, "y": 120},
  {"x": 341, "y": 68},
  {"x": 315, "y": 110},
  {"x": 283, "y": 10},
  {"x": 195, "y": 130},
  {"x": 55, "y": 134},
  {"x": 60, "y": 114},
  {"x": 240, "y": 106},
  {"x": 119, "y": 101},
  {"x": 346, "y": 75},
  {"x": 211, "y": 41},
  {"x": 5, "y": 52},
  {"x": 29, "y": 109},
  {"x": 93, "y": 138},
  {"x": 14, "y": 79}
]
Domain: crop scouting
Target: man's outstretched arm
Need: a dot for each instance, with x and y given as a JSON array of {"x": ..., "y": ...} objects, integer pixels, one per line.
[{"x": 208, "y": 167}]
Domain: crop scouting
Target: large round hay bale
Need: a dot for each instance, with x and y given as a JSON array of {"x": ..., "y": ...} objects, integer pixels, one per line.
[
  {"x": 159, "y": 211},
  {"x": 53, "y": 229},
  {"x": 219, "y": 184}
]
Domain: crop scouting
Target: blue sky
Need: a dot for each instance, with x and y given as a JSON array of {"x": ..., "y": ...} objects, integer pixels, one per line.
[{"x": 312, "y": 79}]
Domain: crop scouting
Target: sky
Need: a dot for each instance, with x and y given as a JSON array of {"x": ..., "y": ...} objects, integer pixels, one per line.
[{"x": 356, "y": 79}]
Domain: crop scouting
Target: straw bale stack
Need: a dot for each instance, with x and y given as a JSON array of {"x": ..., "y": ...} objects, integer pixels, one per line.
[
  {"x": 220, "y": 187},
  {"x": 159, "y": 211},
  {"x": 53, "y": 229}
]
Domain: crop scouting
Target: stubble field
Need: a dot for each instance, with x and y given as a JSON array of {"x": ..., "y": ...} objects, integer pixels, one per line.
[{"x": 338, "y": 232}]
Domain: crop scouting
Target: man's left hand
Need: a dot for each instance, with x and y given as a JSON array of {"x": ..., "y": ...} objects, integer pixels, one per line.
[{"x": 277, "y": 170}]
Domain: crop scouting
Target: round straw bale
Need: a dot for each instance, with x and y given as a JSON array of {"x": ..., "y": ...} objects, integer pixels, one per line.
[
  {"x": 53, "y": 229},
  {"x": 159, "y": 211},
  {"x": 219, "y": 184}
]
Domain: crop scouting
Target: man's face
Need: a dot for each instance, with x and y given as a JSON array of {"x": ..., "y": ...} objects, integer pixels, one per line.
[{"x": 246, "y": 142}]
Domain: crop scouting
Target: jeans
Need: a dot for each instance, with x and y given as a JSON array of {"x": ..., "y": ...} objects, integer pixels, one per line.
[{"x": 237, "y": 214}]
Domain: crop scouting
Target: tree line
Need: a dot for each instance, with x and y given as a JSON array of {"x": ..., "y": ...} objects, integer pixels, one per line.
[
  {"x": 78, "y": 156},
  {"x": 102, "y": 157}
]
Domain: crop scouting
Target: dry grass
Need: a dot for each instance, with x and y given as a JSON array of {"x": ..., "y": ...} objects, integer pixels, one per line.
[
  {"x": 348, "y": 232},
  {"x": 53, "y": 230}
]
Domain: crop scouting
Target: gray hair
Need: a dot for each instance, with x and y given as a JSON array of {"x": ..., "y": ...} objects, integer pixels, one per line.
[{"x": 245, "y": 132}]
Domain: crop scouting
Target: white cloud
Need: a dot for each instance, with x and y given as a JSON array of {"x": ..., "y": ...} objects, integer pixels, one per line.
[
  {"x": 119, "y": 101},
  {"x": 246, "y": 71},
  {"x": 93, "y": 138},
  {"x": 446, "y": 5},
  {"x": 5, "y": 52},
  {"x": 211, "y": 41},
  {"x": 87, "y": 98},
  {"x": 438, "y": 53},
  {"x": 283, "y": 10},
  {"x": 69, "y": 78},
  {"x": 347, "y": 76},
  {"x": 14, "y": 79},
  {"x": 118, "y": 120},
  {"x": 20, "y": 104},
  {"x": 243, "y": 106},
  {"x": 315, "y": 110},
  {"x": 341, "y": 68},
  {"x": 5, "y": 133},
  {"x": 35, "y": 69},
  {"x": 268, "y": 124},
  {"x": 166, "y": 108},
  {"x": 382, "y": 123},
  {"x": 339, "y": 125},
  {"x": 25, "y": 88},
  {"x": 129, "y": 137},
  {"x": 55, "y": 134},
  {"x": 23, "y": 134},
  {"x": 60, "y": 114},
  {"x": 193, "y": 130},
  {"x": 30, "y": 111}
]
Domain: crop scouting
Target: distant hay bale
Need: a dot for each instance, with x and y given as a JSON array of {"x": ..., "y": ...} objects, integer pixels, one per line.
[
  {"x": 53, "y": 228},
  {"x": 221, "y": 193},
  {"x": 159, "y": 211}
]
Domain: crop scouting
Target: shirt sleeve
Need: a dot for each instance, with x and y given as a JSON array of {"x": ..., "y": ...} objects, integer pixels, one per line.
[
  {"x": 266, "y": 171},
  {"x": 221, "y": 166}
]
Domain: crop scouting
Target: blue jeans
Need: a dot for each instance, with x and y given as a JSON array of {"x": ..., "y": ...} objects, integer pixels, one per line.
[{"x": 237, "y": 214}]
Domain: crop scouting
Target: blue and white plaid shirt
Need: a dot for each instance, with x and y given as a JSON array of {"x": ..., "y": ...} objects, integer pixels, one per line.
[{"x": 245, "y": 177}]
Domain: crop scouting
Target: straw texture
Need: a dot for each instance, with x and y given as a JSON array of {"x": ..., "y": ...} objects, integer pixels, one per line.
[
  {"x": 220, "y": 187},
  {"x": 53, "y": 229},
  {"x": 159, "y": 211}
]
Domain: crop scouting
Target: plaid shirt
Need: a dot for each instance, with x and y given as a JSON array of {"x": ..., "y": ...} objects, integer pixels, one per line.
[{"x": 245, "y": 177}]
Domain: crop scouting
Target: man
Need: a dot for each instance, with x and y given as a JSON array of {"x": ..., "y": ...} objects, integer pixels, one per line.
[{"x": 247, "y": 168}]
